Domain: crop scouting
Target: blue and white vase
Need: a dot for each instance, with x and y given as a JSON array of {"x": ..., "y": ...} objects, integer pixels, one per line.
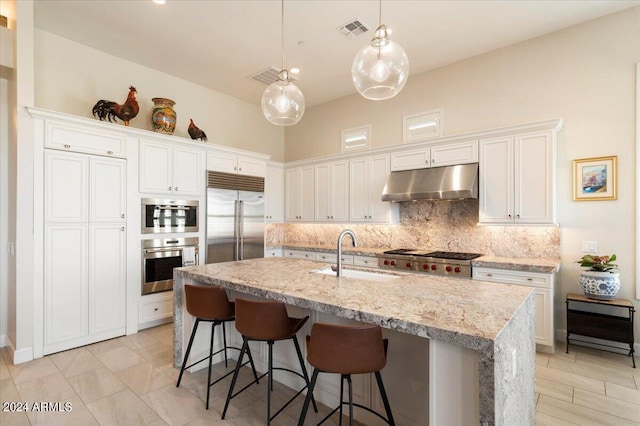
[{"x": 600, "y": 285}]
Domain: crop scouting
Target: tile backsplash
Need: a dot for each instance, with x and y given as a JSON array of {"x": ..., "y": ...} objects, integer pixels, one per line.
[{"x": 431, "y": 225}]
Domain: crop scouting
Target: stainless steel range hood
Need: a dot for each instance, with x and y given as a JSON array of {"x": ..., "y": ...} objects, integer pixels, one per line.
[{"x": 437, "y": 183}]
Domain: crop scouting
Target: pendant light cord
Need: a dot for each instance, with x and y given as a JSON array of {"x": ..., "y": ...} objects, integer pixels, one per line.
[
  {"x": 379, "y": 13},
  {"x": 282, "y": 31}
]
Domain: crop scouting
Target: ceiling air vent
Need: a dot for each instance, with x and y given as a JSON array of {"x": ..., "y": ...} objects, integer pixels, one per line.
[
  {"x": 269, "y": 75},
  {"x": 353, "y": 28}
]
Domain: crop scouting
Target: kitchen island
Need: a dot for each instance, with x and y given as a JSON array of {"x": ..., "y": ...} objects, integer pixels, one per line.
[{"x": 492, "y": 322}]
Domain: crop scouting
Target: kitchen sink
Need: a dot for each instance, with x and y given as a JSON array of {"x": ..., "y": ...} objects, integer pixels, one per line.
[{"x": 357, "y": 273}]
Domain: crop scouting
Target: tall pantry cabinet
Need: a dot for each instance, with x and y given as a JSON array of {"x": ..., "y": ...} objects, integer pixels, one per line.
[{"x": 84, "y": 249}]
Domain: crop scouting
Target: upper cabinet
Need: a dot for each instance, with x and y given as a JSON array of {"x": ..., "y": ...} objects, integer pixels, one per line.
[
  {"x": 517, "y": 178},
  {"x": 169, "y": 169},
  {"x": 76, "y": 138},
  {"x": 435, "y": 156},
  {"x": 232, "y": 163},
  {"x": 332, "y": 192},
  {"x": 274, "y": 194},
  {"x": 300, "y": 194},
  {"x": 367, "y": 179}
]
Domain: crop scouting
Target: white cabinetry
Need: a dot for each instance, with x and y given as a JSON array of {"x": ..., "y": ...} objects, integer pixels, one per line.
[
  {"x": 543, "y": 283},
  {"x": 75, "y": 138},
  {"x": 232, "y": 163},
  {"x": 155, "y": 309},
  {"x": 84, "y": 249},
  {"x": 332, "y": 192},
  {"x": 435, "y": 156},
  {"x": 274, "y": 194},
  {"x": 170, "y": 170},
  {"x": 366, "y": 181},
  {"x": 300, "y": 194},
  {"x": 517, "y": 179},
  {"x": 300, "y": 254}
]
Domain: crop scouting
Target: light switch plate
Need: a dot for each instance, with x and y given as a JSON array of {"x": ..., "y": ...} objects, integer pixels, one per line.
[{"x": 589, "y": 246}]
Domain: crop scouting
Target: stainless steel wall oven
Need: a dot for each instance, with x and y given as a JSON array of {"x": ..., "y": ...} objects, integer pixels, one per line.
[
  {"x": 160, "y": 256},
  {"x": 165, "y": 216}
]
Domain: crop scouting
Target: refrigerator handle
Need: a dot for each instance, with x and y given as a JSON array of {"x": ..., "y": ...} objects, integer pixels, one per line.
[
  {"x": 241, "y": 228},
  {"x": 236, "y": 235}
]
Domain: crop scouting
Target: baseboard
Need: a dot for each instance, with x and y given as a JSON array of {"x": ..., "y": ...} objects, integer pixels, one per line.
[
  {"x": 19, "y": 356},
  {"x": 561, "y": 336},
  {"x": 3, "y": 340}
]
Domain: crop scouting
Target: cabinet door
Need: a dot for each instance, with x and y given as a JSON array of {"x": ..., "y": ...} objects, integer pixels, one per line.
[
  {"x": 155, "y": 168},
  {"x": 107, "y": 277},
  {"x": 292, "y": 188},
  {"x": 454, "y": 153},
  {"x": 378, "y": 175},
  {"x": 65, "y": 284},
  {"x": 251, "y": 167},
  {"x": 324, "y": 196},
  {"x": 306, "y": 193},
  {"x": 107, "y": 189},
  {"x": 534, "y": 177},
  {"x": 221, "y": 162},
  {"x": 339, "y": 191},
  {"x": 70, "y": 137},
  {"x": 359, "y": 189},
  {"x": 274, "y": 194},
  {"x": 66, "y": 192},
  {"x": 187, "y": 174},
  {"x": 496, "y": 180},
  {"x": 544, "y": 313},
  {"x": 410, "y": 160}
]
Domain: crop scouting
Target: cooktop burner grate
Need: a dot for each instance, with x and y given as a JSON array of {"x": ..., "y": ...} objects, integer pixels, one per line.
[
  {"x": 399, "y": 251},
  {"x": 452, "y": 255}
]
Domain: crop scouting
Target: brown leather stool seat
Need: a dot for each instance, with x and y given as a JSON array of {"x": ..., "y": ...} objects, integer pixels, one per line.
[
  {"x": 267, "y": 321},
  {"x": 347, "y": 350},
  {"x": 210, "y": 304}
]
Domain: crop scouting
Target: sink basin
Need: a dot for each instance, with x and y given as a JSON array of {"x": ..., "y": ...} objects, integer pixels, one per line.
[{"x": 356, "y": 273}]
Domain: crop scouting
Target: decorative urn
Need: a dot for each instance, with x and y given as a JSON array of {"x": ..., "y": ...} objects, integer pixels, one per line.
[
  {"x": 600, "y": 281},
  {"x": 163, "y": 117}
]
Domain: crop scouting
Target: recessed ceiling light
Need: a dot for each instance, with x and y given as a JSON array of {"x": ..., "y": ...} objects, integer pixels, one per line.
[
  {"x": 294, "y": 70},
  {"x": 159, "y": 1}
]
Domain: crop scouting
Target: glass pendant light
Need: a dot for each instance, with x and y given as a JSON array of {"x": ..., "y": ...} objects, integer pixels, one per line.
[
  {"x": 283, "y": 101},
  {"x": 380, "y": 70}
]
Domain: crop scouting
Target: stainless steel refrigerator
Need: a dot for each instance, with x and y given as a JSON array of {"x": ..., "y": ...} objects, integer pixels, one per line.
[{"x": 235, "y": 217}]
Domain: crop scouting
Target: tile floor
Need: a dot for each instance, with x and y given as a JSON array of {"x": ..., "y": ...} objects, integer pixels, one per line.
[{"x": 130, "y": 380}]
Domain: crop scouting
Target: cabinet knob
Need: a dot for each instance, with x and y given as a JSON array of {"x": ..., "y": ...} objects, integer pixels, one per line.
[
  {"x": 110, "y": 152},
  {"x": 529, "y": 279},
  {"x": 331, "y": 217},
  {"x": 328, "y": 217},
  {"x": 122, "y": 215},
  {"x": 170, "y": 188},
  {"x": 518, "y": 216},
  {"x": 489, "y": 275},
  {"x": 433, "y": 160},
  {"x": 509, "y": 215},
  {"x": 155, "y": 309},
  {"x": 235, "y": 168},
  {"x": 176, "y": 188},
  {"x": 239, "y": 169},
  {"x": 67, "y": 146},
  {"x": 122, "y": 229}
]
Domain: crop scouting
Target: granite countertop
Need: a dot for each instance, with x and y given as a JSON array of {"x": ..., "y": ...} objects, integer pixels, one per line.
[
  {"x": 462, "y": 311},
  {"x": 511, "y": 263}
]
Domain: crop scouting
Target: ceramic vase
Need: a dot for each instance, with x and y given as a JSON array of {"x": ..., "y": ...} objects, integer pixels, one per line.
[
  {"x": 600, "y": 285},
  {"x": 163, "y": 116}
]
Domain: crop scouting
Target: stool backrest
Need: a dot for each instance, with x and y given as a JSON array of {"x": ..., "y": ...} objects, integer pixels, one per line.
[
  {"x": 208, "y": 302},
  {"x": 262, "y": 320},
  {"x": 346, "y": 349}
]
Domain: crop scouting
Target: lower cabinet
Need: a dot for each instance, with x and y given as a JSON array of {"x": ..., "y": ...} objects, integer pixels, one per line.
[
  {"x": 84, "y": 284},
  {"x": 155, "y": 309},
  {"x": 543, "y": 283}
]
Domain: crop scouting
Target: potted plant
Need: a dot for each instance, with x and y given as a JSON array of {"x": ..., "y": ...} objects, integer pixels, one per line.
[{"x": 600, "y": 281}]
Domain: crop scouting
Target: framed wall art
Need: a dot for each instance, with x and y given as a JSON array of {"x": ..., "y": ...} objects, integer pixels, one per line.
[{"x": 595, "y": 179}]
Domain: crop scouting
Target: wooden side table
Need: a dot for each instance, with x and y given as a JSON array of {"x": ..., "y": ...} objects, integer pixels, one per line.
[{"x": 601, "y": 326}]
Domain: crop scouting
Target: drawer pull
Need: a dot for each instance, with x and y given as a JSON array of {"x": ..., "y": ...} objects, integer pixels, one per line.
[
  {"x": 529, "y": 279},
  {"x": 67, "y": 146},
  {"x": 489, "y": 275},
  {"x": 155, "y": 309},
  {"x": 110, "y": 152}
]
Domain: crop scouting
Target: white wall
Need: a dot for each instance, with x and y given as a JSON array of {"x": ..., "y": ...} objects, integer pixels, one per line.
[
  {"x": 584, "y": 74},
  {"x": 71, "y": 78}
]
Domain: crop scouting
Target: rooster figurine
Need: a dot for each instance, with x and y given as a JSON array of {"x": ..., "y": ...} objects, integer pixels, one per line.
[
  {"x": 108, "y": 110},
  {"x": 195, "y": 132}
]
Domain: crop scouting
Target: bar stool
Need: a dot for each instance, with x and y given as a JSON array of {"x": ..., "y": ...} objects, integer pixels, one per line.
[
  {"x": 267, "y": 321},
  {"x": 210, "y": 304},
  {"x": 347, "y": 350}
]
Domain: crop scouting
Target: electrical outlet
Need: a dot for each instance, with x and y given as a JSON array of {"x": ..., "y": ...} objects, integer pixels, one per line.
[
  {"x": 11, "y": 248},
  {"x": 589, "y": 246}
]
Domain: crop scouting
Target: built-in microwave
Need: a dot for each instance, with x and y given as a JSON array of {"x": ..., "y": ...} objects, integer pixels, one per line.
[{"x": 165, "y": 216}]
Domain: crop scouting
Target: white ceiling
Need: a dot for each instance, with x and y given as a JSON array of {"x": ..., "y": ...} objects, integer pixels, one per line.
[{"x": 220, "y": 44}]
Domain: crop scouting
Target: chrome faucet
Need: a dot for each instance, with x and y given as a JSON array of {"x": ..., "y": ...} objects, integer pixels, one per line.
[{"x": 354, "y": 240}]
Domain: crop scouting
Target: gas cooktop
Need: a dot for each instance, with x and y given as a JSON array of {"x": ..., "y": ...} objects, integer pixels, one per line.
[
  {"x": 453, "y": 255},
  {"x": 431, "y": 262}
]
